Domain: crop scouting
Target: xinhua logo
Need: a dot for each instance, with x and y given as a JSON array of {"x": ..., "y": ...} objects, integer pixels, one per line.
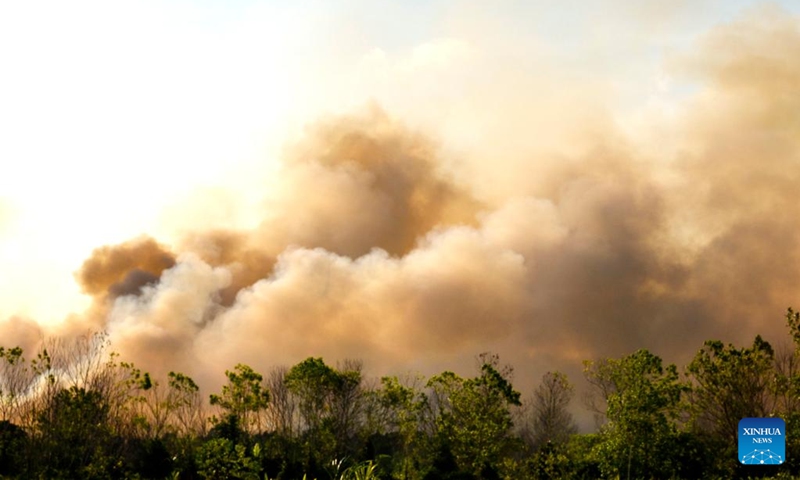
[{"x": 762, "y": 441}]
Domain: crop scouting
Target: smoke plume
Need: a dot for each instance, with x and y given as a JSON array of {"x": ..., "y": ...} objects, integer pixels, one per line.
[{"x": 371, "y": 246}]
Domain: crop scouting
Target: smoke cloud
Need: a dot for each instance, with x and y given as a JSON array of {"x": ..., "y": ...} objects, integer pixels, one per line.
[
  {"x": 124, "y": 269},
  {"x": 373, "y": 245}
]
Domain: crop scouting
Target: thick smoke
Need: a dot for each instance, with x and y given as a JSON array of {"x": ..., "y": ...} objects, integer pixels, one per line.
[
  {"x": 124, "y": 269},
  {"x": 369, "y": 248}
]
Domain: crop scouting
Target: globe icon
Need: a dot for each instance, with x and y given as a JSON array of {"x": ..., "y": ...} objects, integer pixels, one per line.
[{"x": 762, "y": 457}]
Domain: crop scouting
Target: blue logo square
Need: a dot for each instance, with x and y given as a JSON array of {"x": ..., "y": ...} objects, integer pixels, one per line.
[{"x": 762, "y": 441}]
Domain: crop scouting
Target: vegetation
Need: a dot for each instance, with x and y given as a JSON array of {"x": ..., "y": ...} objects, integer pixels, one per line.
[{"x": 74, "y": 410}]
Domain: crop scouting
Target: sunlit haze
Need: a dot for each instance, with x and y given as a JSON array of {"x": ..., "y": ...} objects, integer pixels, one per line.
[{"x": 411, "y": 183}]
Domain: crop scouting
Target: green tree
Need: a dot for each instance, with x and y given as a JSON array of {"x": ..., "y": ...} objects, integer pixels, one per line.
[
  {"x": 123, "y": 388},
  {"x": 312, "y": 383},
  {"x": 474, "y": 418},
  {"x": 185, "y": 404},
  {"x": 788, "y": 408},
  {"x": 347, "y": 405},
  {"x": 16, "y": 381},
  {"x": 222, "y": 458},
  {"x": 729, "y": 384},
  {"x": 793, "y": 322},
  {"x": 400, "y": 409},
  {"x": 330, "y": 402},
  {"x": 75, "y": 439},
  {"x": 643, "y": 400},
  {"x": 243, "y": 399}
]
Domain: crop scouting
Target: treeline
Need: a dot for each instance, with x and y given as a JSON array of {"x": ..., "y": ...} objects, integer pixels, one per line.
[{"x": 75, "y": 411}]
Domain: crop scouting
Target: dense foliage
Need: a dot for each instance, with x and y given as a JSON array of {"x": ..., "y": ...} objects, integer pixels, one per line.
[{"x": 75, "y": 411}]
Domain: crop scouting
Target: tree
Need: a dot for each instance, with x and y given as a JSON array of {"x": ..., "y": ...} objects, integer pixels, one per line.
[
  {"x": 400, "y": 407},
  {"x": 243, "y": 398},
  {"x": 330, "y": 402},
  {"x": 123, "y": 388},
  {"x": 787, "y": 365},
  {"x": 788, "y": 376},
  {"x": 75, "y": 439},
  {"x": 16, "y": 381},
  {"x": 13, "y": 444},
  {"x": 186, "y": 406},
  {"x": 222, "y": 458},
  {"x": 474, "y": 419},
  {"x": 313, "y": 382},
  {"x": 793, "y": 322},
  {"x": 281, "y": 416},
  {"x": 81, "y": 361},
  {"x": 347, "y": 403},
  {"x": 643, "y": 400},
  {"x": 552, "y": 422},
  {"x": 730, "y": 384}
]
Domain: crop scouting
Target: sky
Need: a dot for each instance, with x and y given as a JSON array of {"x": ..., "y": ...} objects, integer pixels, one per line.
[{"x": 411, "y": 183}]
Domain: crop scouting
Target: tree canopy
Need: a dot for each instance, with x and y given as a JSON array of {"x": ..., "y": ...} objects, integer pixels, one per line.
[{"x": 105, "y": 418}]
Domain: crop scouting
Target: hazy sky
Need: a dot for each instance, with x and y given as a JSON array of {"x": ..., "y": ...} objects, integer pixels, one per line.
[{"x": 598, "y": 172}]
